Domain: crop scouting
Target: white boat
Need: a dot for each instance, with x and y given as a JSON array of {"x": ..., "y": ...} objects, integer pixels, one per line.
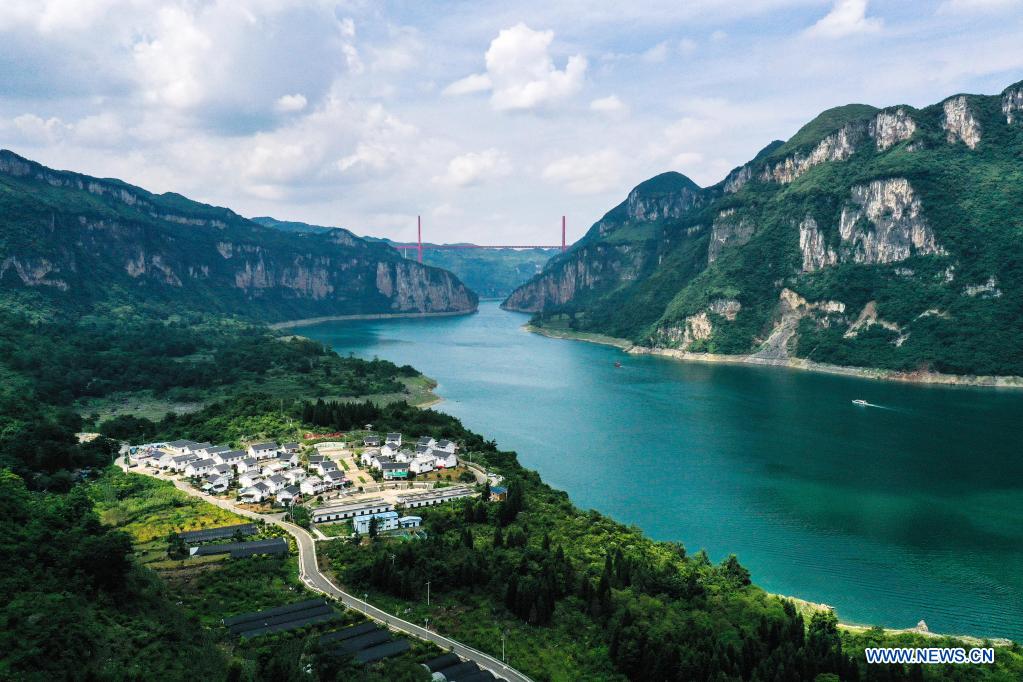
[{"x": 858, "y": 401}]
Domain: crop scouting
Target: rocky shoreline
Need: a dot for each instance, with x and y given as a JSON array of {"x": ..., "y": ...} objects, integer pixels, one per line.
[{"x": 791, "y": 363}]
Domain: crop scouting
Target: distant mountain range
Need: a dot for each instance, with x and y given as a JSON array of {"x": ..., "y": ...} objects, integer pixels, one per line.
[
  {"x": 491, "y": 273},
  {"x": 873, "y": 237},
  {"x": 70, "y": 241}
]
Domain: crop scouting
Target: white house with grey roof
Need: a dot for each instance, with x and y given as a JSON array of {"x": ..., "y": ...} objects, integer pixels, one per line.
[
  {"x": 180, "y": 447},
  {"x": 393, "y": 439},
  {"x": 275, "y": 483},
  {"x": 312, "y": 486},
  {"x": 179, "y": 463},
  {"x": 232, "y": 457},
  {"x": 287, "y": 495},
  {"x": 263, "y": 450},
  {"x": 255, "y": 493},
  {"x": 247, "y": 464},
  {"x": 249, "y": 478}
]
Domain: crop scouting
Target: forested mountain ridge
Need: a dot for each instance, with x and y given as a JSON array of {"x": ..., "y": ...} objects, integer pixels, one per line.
[
  {"x": 71, "y": 241},
  {"x": 491, "y": 273},
  {"x": 873, "y": 237}
]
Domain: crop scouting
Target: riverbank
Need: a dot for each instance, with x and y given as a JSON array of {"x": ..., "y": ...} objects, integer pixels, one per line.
[
  {"x": 790, "y": 363},
  {"x": 808, "y": 608},
  {"x": 369, "y": 316}
]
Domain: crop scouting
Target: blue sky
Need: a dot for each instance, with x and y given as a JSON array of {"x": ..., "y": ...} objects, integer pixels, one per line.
[{"x": 491, "y": 119}]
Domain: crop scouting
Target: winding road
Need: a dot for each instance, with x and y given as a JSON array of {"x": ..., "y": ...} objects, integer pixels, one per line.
[{"x": 316, "y": 580}]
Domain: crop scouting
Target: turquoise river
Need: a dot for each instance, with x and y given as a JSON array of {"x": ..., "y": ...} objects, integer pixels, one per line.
[{"x": 908, "y": 509}]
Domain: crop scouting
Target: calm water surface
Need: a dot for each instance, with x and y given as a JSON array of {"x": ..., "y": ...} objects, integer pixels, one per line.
[{"x": 910, "y": 509}]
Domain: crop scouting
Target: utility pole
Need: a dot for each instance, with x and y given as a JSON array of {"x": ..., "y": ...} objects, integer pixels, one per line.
[
  {"x": 503, "y": 634},
  {"x": 427, "y": 593},
  {"x": 562, "y": 234}
]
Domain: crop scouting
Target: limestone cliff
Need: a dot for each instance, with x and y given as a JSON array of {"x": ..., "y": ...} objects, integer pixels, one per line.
[
  {"x": 959, "y": 122},
  {"x": 94, "y": 240},
  {"x": 838, "y": 146},
  {"x": 621, "y": 247},
  {"x": 874, "y": 237},
  {"x": 882, "y": 223},
  {"x": 1012, "y": 104},
  {"x": 891, "y": 127}
]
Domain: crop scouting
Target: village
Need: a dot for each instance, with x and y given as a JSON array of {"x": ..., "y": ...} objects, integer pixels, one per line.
[
  {"x": 366, "y": 483},
  {"x": 347, "y": 485}
]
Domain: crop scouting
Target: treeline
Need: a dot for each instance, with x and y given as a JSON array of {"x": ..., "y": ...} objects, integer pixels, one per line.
[{"x": 92, "y": 357}]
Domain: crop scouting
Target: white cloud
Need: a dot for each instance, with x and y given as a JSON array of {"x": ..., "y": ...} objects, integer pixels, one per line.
[
  {"x": 474, "y": 168},
  {"x": 171, "y": 64},
  {"x": 686, "y": 46},
  {"x": 477, "y": 82},
  {"x": 521, "y": 73},
  {"x": 656, "y": 54},
  {"x": 290, "y": 103},
  {"x": 36, "y": 130},
  {"x": 587, "y": 173},
  {"x": 976, "y": 6},
  {"x": 847, "y": 17},
  {"x": 609, "y": 105}
]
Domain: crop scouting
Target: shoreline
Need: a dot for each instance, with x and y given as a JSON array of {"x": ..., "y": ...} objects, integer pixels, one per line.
[
  {"x": 806, "y": 607},
  {"x": 877, "y": 374},
  {"x": 365, "y": 316}
]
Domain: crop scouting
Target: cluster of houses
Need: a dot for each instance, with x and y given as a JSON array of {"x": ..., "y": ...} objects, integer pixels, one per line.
[
  {"x": 396, "y": 461},
  {"x": 263, "y": 471}
]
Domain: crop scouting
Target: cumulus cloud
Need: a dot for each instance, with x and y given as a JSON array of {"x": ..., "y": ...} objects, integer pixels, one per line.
[
  {"x": 609, "y": 105},
  {"x": 587, "y": 173},
  {"x": 521, "y": 73},
  {"x": 477, "y": 82},
  {"x": 474, "y": 168},
  {"x": 290, "y": 103},
  {"x": 35, "y": 130},
  {"x": 847, "y": 17}
]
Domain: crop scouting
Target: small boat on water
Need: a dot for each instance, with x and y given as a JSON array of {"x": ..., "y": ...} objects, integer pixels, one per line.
[
  {"x": 858, "y": 401},
  {"x": 618, "y": 363}
]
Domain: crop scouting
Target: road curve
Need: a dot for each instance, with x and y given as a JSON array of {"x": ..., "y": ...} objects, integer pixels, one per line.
[{"x": 316, "y": 580}]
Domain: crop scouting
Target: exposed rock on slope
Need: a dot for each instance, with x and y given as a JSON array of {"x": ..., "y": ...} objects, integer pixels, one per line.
[
  {"x": 835, "y": 147},
  {"x": 1012, "y": 104},
  {"x": 891, "y": 127},
  {"x": 840, "y": 217},
  {"x": 960, "y": 123},
  {"x": 78, "y": 240}
]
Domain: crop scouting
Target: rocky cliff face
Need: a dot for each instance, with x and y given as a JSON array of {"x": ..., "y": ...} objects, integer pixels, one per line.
[
  {"x": 604, "y": 258},
  {"x": 728, "y": 229},
  {"x": 1012, "y": 104},
  {"x": 959, "y": 122},
  {"x": 835, "y": 147},
  {"x": 882, "y": 223},
  {"x": 836, "y": 245},
  {"x": 891, "y": 127},
  {"x": 95, "y": 240}
]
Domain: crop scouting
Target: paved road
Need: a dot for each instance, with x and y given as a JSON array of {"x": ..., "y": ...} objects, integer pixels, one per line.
[{"x": 316, "y": 580}]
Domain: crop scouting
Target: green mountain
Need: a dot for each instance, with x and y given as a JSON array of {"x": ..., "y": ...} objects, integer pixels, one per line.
[
  {"x": 69, "y": 241},
  {"x": 492, "y": 273},
  {"x": 882, "y": 238}
]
